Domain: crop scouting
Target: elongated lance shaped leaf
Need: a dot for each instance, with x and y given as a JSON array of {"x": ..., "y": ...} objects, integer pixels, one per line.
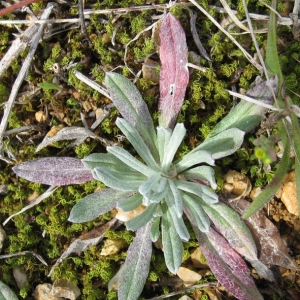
[
  {"x": 137, "y": 265},
  {"x": 227, "y": 265},
  {"x": 230, "y": 225},
  {"x": 132, "y": 107},
  {"x": 174, "y": 75},
  {"x": 194, "y": 158},
  {"x": 177, "y": 221},
  {"x": 142, "y": 219},
  {"x": 163, "y": 137},
  {"x": 155, "y": 231},
  {"x": 200, "y": 190},
  {"x": 173, "y": 145},
  {"x": 6, "y": 293},
  {"x": 223, "y": 144},
  {"x": 106, "y": 160},
  {"x": 54, "y": 171},
  {"x": 246, "y": 115},
  {"x": 96, "y": 204},
  {"x": 129, "y": 160},
  {"x": 114, "y": 181},
  {"x": 130, "y": 203},
  {"x": 137, "y": 142},
  {"x": 204, "y": 173},
  {"x": 172, "y": 244},
  {"x": 177, "y": 198},
  {"x": 193, "y": 205}
]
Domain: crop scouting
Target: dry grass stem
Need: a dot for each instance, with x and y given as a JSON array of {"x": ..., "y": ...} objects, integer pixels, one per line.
[
  {"x": 233, "y": 17},
  {"x": 249, "y": 99},
  {"x": 247, "y": 55},
  {"x": 26, "y": 64}
]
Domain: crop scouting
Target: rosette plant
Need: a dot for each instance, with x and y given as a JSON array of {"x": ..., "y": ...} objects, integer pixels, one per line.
[{"x": 171, "y": 189}]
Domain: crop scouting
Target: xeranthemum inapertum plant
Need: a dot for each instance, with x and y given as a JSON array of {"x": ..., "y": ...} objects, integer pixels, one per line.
[{"x": 167, "y": 188}]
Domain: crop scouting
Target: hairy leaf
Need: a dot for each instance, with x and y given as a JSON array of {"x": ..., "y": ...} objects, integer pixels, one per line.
[
  {"x": 6, "y": 293},
  {"x": 177, "y": 221},
  {"x": 96, "y": 204},
  {"x": 232, "y": 227},
  {"x": 137, "y": 265},
  {"x": 173, "y": 145},
  {"x": 200, "y": 190},
  {"x": 227, "y": 265},
  {"x": 54, "y": 171},
  {"x": 223, "y": 144},
  {"x": 130, "y": 160},
  {"x": 130, "y": 203},
  {"x": 193, "y": 205},
  {"x": 174, "y": 75},
  {"x": 172, "y": 244},
  {"x": 137, "y": 142},
  {"x": 155, "y": 232},
  {"x": 116, "y": 181},
  {"x": 194, "y": 158},
  {"x": 163, "y": 138},
  {"x": 132, "y": 107},
  {"x": 142, "y": 219},
  {"x": 204, "y": 173},
  {"x": 106, "y": 160}
]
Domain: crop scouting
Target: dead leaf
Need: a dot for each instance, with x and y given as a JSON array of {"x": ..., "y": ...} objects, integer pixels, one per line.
[{"x": 271, "y": 247}]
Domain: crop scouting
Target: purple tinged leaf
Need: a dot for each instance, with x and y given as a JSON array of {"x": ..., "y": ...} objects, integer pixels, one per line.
[
  {"x": 233, "y": 228},
  {"x": 54, "y": 171},
  {"x": 137, "y": 265},
  {"x": 226, "y": 264},
  {"x": 174, "y": 75}
]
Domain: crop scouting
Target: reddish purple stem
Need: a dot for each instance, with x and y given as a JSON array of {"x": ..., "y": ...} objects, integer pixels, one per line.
[{"x": 16, "y": 6}]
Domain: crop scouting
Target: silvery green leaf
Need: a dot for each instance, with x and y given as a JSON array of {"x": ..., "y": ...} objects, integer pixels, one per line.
[
  {"x": 223, "y": 144},
  {"x": 129, "y": 160},
  {"x": 194, "y": 158},
  {"x": 163, "y": 137},
  {"x": 246, "y": 115},
  {"x": 158, "y": 212},
  {"x": 200, "y": 190},
  {"x": 177, "y": 198},
  {"x": 172, "y": 244},
  {"x": 130, "y": 203},
  {"x": 94, "y": 205},
  {"x": 177, "y": 221},
  {"x": 114, "y": 182},
  {"x": 142, "y": 219},
  {"x": 205, "y": 173},
  {"x": 154, "y": 197},
  {"x": 137, "y": 142},
  {"x": 150, "y": 183},
  {"x": 155, "y": 231},
  {"x": 137, "y": 265},
  {"x": 230, "y": 225},
  {"x": 174, "y": 142},
  {"x": 6, "y": 293},
  {"x": 200, "y": 217},
  {"x": 132, "y": 107},
  {"x": 106, "y": 160}
]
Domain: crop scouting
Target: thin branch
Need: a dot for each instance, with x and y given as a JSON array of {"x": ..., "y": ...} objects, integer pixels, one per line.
[
  {"x": 247, "y": 55},
  {"x": 26, "y": 64}
]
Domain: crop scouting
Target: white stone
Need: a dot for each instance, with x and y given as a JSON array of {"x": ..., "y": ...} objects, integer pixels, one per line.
[{"x": 188, "y": 276}]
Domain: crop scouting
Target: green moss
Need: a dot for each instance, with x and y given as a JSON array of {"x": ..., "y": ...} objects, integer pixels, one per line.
[{"x": 145, "y": 49}]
